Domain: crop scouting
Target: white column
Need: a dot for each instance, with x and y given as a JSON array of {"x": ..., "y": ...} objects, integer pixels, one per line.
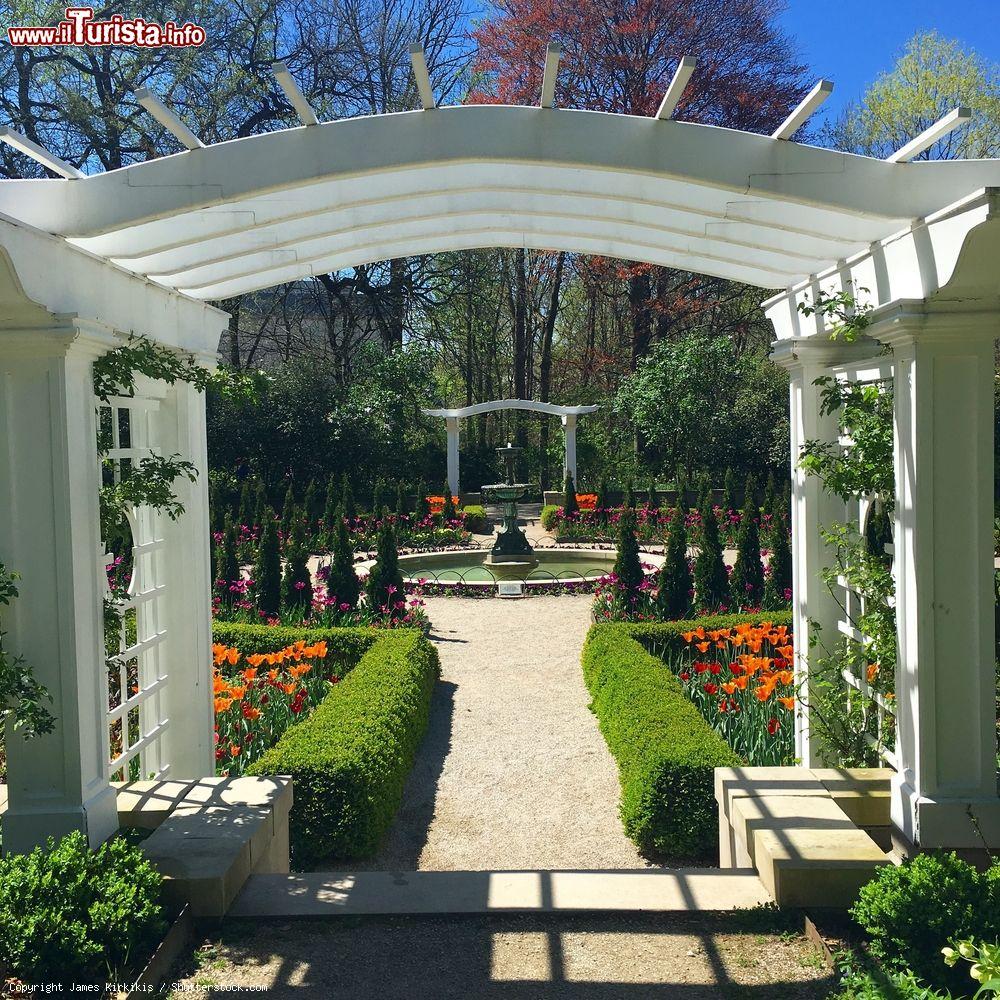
[
  {"x": 453, "y": 481},
  {"x": 569, "y": 436},
  {"x": 50, "y": 534},
  {"x": 943, "y": 544},
  {"x": 815, "y": 611},
  {"x": 188, "y": 740}
]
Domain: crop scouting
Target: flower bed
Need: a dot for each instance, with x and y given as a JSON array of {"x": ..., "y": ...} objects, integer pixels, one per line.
[{"x": 740, "y": 678}]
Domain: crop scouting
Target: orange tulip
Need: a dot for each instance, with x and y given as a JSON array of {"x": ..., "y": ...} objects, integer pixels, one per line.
[
  {"x": 222, "y": 704},
  {"x": 255, "y": 659},
  {"x": 702, "y": 647},
  {"x": 249, "y": 674},
  {"x": 872, "y": 672},
  {"x": 236, "y": 693},
  {"x": 789, "y": 703}
]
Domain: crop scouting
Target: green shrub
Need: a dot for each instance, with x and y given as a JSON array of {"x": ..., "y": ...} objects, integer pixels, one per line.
[
  {"x": 674, "y": 594},
  {"x": 227, "y": 561},
  {"x": 384, "y": 585},
  {"x": 912, "y": 911},
  {"x": 746, "y": 584},
  {"x": 628, "y": 566},
  {"x": 448, "y": 512},
  {"x": 711, "y": 582},
  {"x": 570, "y": 506},
  {"x": 347, "y": 500},
  {"x": 350, "y": 758},
  {"x": 474, "y": 519},
  {"x": 549, "y": 514},
  {"x": 345, "y": 646},
  {"x": 267, "y": 568},
  {"x": 342, "y": 581},
  {"x": 69, "y": 914},
  {"x": 665, "y": 750},
  {"x": 296, "y": 583},
  {"x": 422, "y": 509}
]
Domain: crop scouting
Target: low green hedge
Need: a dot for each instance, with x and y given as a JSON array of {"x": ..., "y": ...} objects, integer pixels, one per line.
[
  {"x": 345, "y": 646},
  {"x": 350, "y": 758},
  {"x": 665, "y": 750},
  {"x": 474, "y": 519},
  {"x": 549, "y": 514}
]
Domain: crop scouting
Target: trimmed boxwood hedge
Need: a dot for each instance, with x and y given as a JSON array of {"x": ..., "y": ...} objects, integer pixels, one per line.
[
  {"x": 666, "y": 751},
  {"x": 350, "y": 758},
  {"x": 474, "y": 519},
  {"x": 345, "y": 646}
]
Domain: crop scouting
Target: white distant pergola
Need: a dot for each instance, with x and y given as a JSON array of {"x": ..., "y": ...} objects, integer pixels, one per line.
[
  {"x": 86, "y": 260},
  {"x": 567, "y": 414}
]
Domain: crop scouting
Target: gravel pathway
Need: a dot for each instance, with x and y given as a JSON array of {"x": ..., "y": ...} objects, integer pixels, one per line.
[{"x": 513, "y": 772}]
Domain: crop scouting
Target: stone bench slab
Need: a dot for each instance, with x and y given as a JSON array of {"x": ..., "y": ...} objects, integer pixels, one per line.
[{"x": 805, "y": 848}]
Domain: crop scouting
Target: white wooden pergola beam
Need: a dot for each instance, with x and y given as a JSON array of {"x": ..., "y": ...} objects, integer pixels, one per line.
[
  {"x": 808, "y": 106},
  {"x": 676, "y": 89},
  {"x": 167, "y": 118},
  {"x": 422, "y": 77},
  {"x": 295, "y": 96},
  {"x": 553, "y": 53},
  {"x": 945, "y": 126},
  {"x": 40, "y": 155}
]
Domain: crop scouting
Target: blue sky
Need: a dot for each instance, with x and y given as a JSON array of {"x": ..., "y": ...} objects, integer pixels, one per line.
[{"x": 852, "y": 41}]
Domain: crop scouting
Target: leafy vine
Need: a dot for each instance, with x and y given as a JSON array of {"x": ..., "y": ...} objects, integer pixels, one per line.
[{"x": 863, "y": 468}]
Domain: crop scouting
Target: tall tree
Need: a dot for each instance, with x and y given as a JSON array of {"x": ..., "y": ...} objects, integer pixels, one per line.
[{"x": 932, "y": 76}]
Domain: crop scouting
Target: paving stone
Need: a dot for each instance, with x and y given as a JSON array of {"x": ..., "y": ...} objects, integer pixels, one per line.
[
  {"x": 146, "y": 804},
  {"x": 440, "y": 892}
]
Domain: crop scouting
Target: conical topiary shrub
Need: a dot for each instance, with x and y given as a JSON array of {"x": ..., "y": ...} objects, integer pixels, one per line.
[
  {"x": 628, "y": 567},
  {"x": 267, "y": 567},
  {"x": 674, "y": 595},
  {"x": 227, "y": 563},
  {"x": 311, "y": 509},
  {"x": 401, "y": 504},
  {"x": 296, "y": 583},
  {"x": 711, "y": 582},
  {"x": 421, "y": 509},
  {"x": 652, "y": 500},
  {"x": 603, "y": 502},
  {"x": 729, "y": 492},
  {"x": 384, "y": 587},
  {"x": 628, "y": 498},
  {"x": 331, "y": 516},
  {"x": 448, "y": 512},
  {"x": 347, "y": 507},
  {"x": 746, "y": 584},
  {"x": 260, "y": 506},
  {"x": 245, "y": 512},
  {"x": 779, "y": 570},
  {"x": 378, "y": 498},
  {"x": 342, "y": 582},
  {"x": 570, "y": 506},
  {"x": 288, "y": 513}
]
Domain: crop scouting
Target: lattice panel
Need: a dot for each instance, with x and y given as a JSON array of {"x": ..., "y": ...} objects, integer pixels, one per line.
[
  {"x": 136, "y": 675},
  {"x": 874, "y": 372}
]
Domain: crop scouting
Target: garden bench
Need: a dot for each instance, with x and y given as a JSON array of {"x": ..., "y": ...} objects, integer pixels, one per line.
[{"x": 804, "y": 830}]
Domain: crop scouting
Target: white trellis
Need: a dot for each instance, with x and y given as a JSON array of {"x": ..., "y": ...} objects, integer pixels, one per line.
[
  {"x": 137, "y": 673},
  {"x": 874, "y": 372}
]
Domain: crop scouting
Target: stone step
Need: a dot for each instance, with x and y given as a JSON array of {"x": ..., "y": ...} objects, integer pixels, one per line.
[{"x": 318, "y": 894}]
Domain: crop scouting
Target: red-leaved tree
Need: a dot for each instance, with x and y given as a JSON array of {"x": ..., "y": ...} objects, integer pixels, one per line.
[{"x": 619, "y": 56}]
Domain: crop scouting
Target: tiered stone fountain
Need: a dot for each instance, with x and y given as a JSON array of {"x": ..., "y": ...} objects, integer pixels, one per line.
[{"x": 512, "y": 555}]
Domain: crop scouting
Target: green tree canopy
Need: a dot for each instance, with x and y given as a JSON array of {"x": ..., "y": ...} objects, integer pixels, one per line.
[{"x": 933, "y": 76}]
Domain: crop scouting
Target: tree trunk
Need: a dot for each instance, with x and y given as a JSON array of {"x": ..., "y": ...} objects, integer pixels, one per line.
[{"x": 545, "y": 372}]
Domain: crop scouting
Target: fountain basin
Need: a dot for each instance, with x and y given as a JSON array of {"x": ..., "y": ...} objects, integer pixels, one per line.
[{"x": 543, "y": 567}]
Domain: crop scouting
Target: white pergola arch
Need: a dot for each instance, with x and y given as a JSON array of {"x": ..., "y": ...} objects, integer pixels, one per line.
[
  {"x": 567, "y": 414},
  {"x": 86, "y": 260}
]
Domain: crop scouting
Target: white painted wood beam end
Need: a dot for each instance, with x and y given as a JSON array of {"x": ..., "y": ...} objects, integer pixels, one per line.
[
  {"x": 675, "y": 91},
  {"x": 553, "y": 53},
  {"x": 808, "y": 107},
  {"x": 168, "y": 119},
  {"x": 295, "y": 96},
  {"x": 40, "y": 155},
  {"x": 422, "y": 77},
  {"x": 945, "y": 126}
]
